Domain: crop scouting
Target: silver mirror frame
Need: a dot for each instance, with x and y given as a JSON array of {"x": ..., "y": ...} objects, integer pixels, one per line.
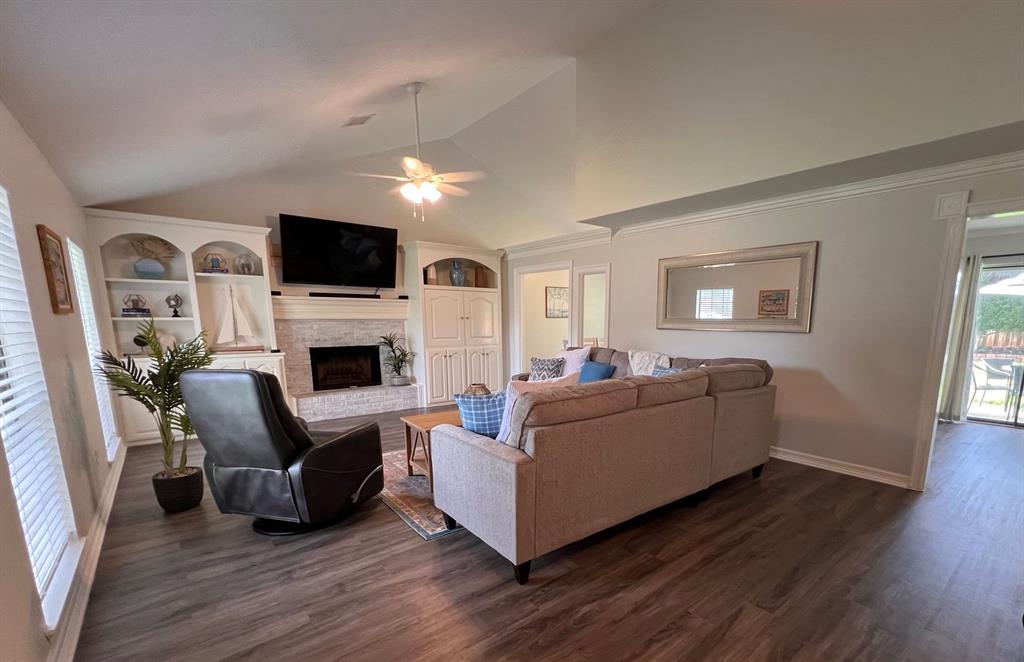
[{"x": 806, "y": 251}]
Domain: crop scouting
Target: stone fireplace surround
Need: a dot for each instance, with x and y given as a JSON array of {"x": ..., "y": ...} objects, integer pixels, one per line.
[{"x": 296, "y": 335}]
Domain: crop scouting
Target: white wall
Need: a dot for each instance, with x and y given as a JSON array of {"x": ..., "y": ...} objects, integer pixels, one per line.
[
  {"x": 851, "y": 390},
  {"x": 694, "y": 96},
  {"x": 542, "y": 337},
  {"x": 38, "y": 196}
]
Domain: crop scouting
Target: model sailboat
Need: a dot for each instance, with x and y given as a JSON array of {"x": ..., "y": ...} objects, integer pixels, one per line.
[{"x": 235, "y": 333}]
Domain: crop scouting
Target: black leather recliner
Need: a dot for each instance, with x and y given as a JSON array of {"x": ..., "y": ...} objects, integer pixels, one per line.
[{"x": 265, "y": 462}]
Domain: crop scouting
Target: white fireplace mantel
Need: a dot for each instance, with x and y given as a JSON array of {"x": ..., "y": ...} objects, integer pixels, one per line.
[{"x": 289, "y": 307}]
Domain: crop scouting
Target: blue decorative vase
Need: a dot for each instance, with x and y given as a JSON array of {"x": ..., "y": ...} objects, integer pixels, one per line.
[
  {"x": 149, "y": 268},
  {"x": 457, "y": 274}
]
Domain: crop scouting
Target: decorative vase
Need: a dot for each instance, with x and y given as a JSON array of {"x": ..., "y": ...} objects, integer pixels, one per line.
[
  {"x": 477, "y": 389},
  {"x": 458, "y": 276},
  {"x": 179, "y": 493},
  {"x": 399, "y": 380},
  {"x": 149, "y": 269}
]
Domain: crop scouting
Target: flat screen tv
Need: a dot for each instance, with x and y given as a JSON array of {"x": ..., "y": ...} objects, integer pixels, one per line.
[{"x": 315, "y": 251}]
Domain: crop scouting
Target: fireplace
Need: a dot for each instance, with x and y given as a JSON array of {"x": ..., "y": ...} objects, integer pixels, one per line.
[{"x": 345, "y": 367}]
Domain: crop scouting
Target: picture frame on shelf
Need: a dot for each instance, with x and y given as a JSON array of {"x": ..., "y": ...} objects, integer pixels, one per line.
[{"x": 55, "y": 266}]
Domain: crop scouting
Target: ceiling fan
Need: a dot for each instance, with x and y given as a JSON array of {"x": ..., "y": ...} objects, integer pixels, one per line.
[{"x": 421, "y": 182}]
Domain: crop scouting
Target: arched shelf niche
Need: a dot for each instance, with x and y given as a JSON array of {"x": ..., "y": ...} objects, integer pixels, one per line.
[{"x": 477, "y": 275}]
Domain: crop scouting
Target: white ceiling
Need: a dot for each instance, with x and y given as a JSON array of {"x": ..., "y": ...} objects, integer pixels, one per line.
[{"x": 135, "y": 99}]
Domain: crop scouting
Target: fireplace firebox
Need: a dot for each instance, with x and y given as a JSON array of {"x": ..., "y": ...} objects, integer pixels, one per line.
[{"x": 345, "y": 367}]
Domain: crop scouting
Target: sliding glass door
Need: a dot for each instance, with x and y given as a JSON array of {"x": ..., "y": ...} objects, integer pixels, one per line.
[{"x": 997, "y": 364}]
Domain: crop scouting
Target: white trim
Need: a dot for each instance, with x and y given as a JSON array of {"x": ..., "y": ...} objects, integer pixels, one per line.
[
  {"x": 515, "y": 357},
  {"x": 951, "y": 205},
  {"x": 982, "y": 209},
  {"x": 339, "y": 308},
  {"x": 190, "y": 222},
  {"x": 938, "y": 175},
  {"x": 595, "y": 237},
  {"x": 840, "y": 467},
  {"x": 65, "y": 637}
]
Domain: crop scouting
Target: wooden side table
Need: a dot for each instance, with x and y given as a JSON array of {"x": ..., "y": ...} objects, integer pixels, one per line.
[{"x": 417, "y": 436}]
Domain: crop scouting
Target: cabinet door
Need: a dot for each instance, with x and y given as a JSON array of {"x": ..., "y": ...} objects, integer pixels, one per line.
[
  {"x": 494, "y": 381},
  {"x": 443, "y": 318},
  {"x": 456, "y": 372},
  {"x": 228, "y": 363},
  {"x": 136, "y": 421},
  {"x": 476, "y": 365},
  {"x": 483, "y": 318},
  {"x": 437, "y": 376},
  {"x": 273, "y": 365}
]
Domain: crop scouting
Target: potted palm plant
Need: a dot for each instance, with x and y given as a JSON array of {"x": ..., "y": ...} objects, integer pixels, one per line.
[
  {"x": 396, "y": 358},
  {"x": 178, "y": 486}
]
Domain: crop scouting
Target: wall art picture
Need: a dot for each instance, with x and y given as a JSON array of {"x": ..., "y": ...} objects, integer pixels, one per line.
[
  {"x": 556, "y": 302},
  {"x": 56, "y": 269},
  {"x": 773, "y": 304}
]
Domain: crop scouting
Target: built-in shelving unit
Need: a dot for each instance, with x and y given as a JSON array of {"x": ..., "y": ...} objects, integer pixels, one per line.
[{"x": 203, "y": 295}]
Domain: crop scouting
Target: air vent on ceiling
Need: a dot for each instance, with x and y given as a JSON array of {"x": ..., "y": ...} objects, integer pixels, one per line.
[{"x": 357, "y": 120}]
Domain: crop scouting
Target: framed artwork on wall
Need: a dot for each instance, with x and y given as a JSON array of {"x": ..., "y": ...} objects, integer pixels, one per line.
[
  {"x": 55, "y": 266},
  {"x": 556, "y": 302},
  {"x": 773, "y": 304}
]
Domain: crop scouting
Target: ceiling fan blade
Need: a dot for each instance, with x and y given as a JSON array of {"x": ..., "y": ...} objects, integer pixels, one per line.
[
  {"x": 370, "y": 174},
  {"x": 457, "y": 191},
  {"x": 462, "y": 176}
]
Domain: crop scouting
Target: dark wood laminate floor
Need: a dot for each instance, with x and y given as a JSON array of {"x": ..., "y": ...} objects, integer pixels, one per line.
[{"x": 802, "y": 564}]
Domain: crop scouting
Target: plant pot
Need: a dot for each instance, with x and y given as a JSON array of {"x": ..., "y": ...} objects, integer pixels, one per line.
[
  {"x": 399, "y": 380},
  {"x": 179, "y": 493}
]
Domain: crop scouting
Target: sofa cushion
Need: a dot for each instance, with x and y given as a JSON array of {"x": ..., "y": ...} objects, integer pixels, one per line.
[
  {"x": 517, "y": 388},
  {"x": 594, "y": 372},
  {"x": 730, "y": 360},
  {"x": 541, "y": 369},
  {"x": 684, "y": 385},
  {"x": 565, "y": 404},
  {"x": 733, "y": 377},
  {"x": 684, "y": 363},
  {"x": 481, "y": 413},
  {"x": 613, "y": 357}
]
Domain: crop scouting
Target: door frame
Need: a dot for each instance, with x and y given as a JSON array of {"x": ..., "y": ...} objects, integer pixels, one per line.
[
  {"x": 953, "y": 209},
  {"x": 576, "y": 297},
  {"x": 515, "y": 357}
]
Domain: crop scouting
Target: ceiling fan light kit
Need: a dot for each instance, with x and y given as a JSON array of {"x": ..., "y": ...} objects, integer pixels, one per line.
[{"x": 422, "y": 182}]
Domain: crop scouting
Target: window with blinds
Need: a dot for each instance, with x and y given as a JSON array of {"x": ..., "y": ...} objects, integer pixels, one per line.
[
  {"x": 26, "y": 420},
  {"x": 92, "y": 340},
  {"x": 714, "y": 304}
]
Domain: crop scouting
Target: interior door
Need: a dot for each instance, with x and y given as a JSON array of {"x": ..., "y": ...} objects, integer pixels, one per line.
[
  {"x": 483, "y": 315},
  {"x": 443, "y": 318}
]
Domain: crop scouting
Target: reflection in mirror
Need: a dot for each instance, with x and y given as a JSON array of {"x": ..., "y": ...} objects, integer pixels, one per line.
[
  {"x": 761, "y": 289},
  {"x": 758, "y": 289}
]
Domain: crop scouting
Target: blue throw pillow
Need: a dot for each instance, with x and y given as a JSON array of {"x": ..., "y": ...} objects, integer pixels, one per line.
[
  {"x": 481, "y": 413},
  {"x": 665, "y": 372},
  {"x": 594, "y": 372}
]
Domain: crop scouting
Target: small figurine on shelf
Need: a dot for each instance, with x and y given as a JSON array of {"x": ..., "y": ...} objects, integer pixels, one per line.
[
  {"x": 134, "y": 306},
  {"x": 174, "y": 302},
  {"x": 214, "y": 263}
]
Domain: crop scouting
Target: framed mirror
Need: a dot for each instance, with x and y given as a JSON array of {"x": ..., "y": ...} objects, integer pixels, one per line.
[{"x": 754, "y": 289}]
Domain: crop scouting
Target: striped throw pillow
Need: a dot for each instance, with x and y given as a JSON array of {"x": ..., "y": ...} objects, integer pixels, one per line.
[
  {"x": 541, "y": 369},
  {"x": 481, "y": 413}
]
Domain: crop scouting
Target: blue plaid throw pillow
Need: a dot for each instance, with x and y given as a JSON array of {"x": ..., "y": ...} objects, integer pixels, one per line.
[
  {"x": 482, "y": 413},
  {"x": 665, "y": 372}
]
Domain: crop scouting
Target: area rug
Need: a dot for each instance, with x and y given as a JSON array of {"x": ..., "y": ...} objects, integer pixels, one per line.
[{"x": 410, "y": 498}]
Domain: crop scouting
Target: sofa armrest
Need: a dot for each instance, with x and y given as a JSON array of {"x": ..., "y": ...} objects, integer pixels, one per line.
[{"x": 486, "y": 486}]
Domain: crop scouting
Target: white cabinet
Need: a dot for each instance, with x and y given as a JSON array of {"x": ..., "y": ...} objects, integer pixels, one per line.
[
  {"x": 444, "y": 318},
  {"x": 446, "y": 374},
  {"x": 138, "y": 424},
  {"x": 483, "y": 366},
  {"x": 482, "y": 315}
]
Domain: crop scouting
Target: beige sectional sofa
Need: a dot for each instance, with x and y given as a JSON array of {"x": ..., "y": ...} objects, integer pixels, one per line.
[{"x": 583, "y": 458}]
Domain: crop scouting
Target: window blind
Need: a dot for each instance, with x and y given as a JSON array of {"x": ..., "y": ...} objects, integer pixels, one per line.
[
  {"x": 714, "y": 304},
  {"x": 26, "y": 420},
  {"x": 92, "y": 341}
]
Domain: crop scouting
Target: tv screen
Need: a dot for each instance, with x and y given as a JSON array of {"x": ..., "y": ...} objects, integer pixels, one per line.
[{"x": 319, "y": 252}]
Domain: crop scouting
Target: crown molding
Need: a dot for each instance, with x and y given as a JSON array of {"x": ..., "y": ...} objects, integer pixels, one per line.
[
  {"x": 595, "y": 237},
  {"x": 289, "y": 307},
  {"x": 940, "y": 174},
  {"x": 92, "y": 212}
]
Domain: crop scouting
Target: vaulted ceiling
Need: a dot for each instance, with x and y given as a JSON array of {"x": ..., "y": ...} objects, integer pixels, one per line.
[{"x": 136, "y": 99}]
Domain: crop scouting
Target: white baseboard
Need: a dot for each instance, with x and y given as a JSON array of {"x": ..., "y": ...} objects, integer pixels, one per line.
[
  {"x": 838, "y": 466},
  {"x": 64, "y": 640}
]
